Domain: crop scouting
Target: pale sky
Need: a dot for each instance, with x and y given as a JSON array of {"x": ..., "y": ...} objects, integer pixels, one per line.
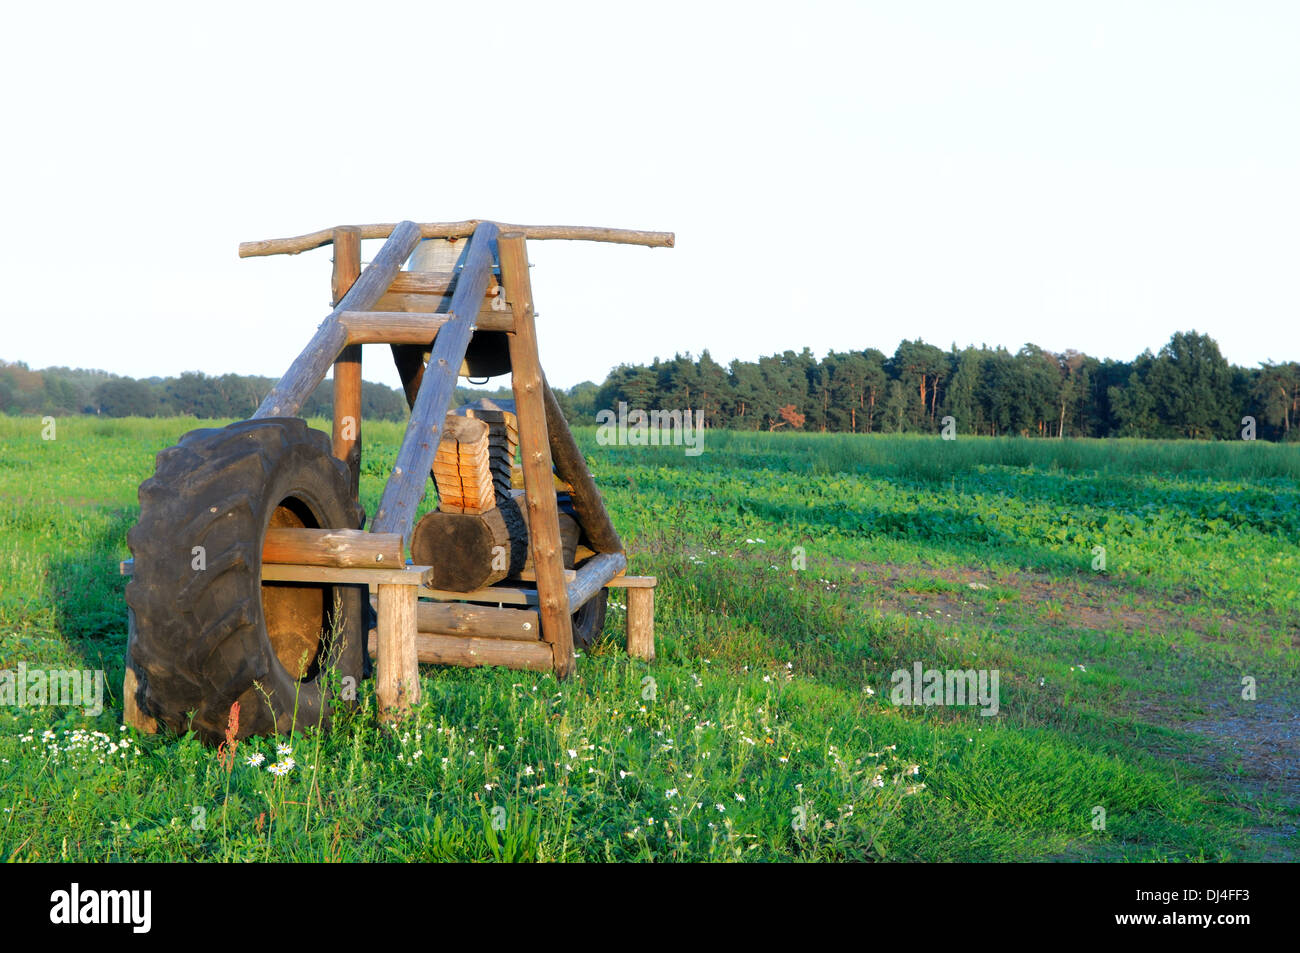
[{"x": 839, "y": 175}]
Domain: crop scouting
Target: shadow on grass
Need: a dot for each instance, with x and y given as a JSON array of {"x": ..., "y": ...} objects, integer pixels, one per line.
[{"x": 87, "y": 593}]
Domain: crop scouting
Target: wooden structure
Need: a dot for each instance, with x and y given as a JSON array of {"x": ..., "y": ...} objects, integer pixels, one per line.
[{"x": 474, "y": 316}]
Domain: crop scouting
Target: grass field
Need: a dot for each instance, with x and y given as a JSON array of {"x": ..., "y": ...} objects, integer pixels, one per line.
[{"x": 765, "y": 730}]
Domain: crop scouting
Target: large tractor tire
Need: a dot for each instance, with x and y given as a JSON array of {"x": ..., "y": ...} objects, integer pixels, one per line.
[
  {"x": 589, "y": 621},
  {"x": 209, "y": 632}
]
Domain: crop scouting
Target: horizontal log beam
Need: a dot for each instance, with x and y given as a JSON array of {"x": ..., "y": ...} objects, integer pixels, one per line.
[
  {"x": 475, "y": 652},
  {"x": 342, "y": 548},
  {"x": 431, "y": 283},
  {"x": 429, "y": 304},
  {"x": 454, "y": 618},
  {"x": 406, "y": 327},
  {"x": 579, "y": 233},
  {"x": 594, "y": 575},
  {"x": 409, "y": 576},
  {"x": 503, "y": 595}
]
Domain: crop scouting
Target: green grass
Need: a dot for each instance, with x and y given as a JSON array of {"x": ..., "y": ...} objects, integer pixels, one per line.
[{"x": 1120, "y": 690}]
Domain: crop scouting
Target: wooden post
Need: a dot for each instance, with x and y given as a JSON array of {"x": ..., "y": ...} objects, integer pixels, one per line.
[
  {"x": 539, "y": 486},
  {"x": 398, "y": 677},
  {"x": 641, "y": 623},
  {"x": 347, "y": 369},
  {"x": 405, "y": 488}
]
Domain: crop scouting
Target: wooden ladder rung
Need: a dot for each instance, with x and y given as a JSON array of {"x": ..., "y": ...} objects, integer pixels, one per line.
[
  {"x": 407, "y": 327},
  {"x": 431, "y": 283}
]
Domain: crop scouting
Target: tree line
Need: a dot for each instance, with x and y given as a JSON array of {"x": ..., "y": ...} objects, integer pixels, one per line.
[
  {"x": 1187, "y": 389},
  {"x": 61, "y": 390}
]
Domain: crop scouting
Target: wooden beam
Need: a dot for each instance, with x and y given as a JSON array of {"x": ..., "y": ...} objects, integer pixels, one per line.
[
  {"x": 539, "y": 491},
  {"x": 342, "y": 548},
  {"x": 405, "y": 488},
  {"x": 404, "y": 327},
  {"x": 287, "y": 397},
  {"x": 581, "y": 233},
  {"x": 570, "y": 466},
  {"x": 593, "y": 576},
  {"x": 469, "y": 652},
  {"x": 502, "y": 595},
  {"x": 473, "y": 652},
  {"x": 347, "y": 369}
]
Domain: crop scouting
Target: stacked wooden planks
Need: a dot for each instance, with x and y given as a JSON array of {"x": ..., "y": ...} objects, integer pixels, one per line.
[
  {"x": 462, "y": 467},
  {"x": 503, "y": 439}
]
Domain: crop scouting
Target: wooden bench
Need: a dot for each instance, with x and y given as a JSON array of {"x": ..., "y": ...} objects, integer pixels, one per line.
[{"x": 447, "y": 628}]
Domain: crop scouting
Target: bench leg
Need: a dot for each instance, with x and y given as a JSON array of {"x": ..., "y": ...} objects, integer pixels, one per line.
[
  {"x": 641, "y": 623},
  {"x": 398, "y": 675}
]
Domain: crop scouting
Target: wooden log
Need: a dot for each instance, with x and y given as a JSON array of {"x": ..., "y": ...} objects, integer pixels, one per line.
[
  {"x": 405, "y": 488},
  {"x": 397, "y": 681},
  {"x": 469, "y": 551},
  {"x": 287, "y": 397},
  {"x": 344, "y": 548},
  {"x": 583, "y": 492},
  {"x": 641, "y": 623},
  {"x": 530, "y": 408},
  {"x": 405, "y": 327},
  {"x": 347, "y": 369},
  {"x": 593, "y": 576},
  {"x": 474, "y": 652},
  {"x": 487, "y": 622},
  {"x": 580, "y": 233}
]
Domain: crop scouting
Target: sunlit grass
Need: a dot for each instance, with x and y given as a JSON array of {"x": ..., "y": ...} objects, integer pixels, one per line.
[{"x": 769, "y": 699}]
